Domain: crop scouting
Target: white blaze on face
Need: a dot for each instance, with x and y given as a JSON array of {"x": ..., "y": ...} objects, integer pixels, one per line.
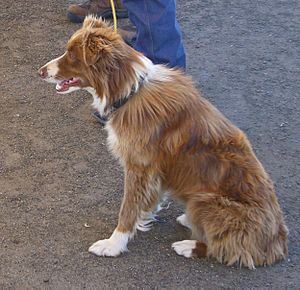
[{"x": 52, "y": 69}]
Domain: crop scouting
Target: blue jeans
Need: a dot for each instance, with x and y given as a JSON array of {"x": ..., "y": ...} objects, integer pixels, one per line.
[{"x": 158, "y": 32}]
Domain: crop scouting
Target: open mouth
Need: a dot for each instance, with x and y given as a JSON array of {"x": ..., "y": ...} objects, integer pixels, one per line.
[{"x": 64, "y": 85}]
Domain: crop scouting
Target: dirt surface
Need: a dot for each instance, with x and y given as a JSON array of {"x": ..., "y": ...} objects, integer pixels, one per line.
[{"x": 60, "y": 189}]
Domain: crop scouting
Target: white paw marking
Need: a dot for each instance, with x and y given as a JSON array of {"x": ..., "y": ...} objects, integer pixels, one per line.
[
  {"x": 105, "y": 248},
  {"x": 184, "y": 248},
  {"x": 183, "y": 221},
  {"x": 111, "y": 247}
]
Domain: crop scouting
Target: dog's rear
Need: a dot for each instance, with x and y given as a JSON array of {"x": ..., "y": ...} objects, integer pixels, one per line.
[{"x": 169, "y": 138}]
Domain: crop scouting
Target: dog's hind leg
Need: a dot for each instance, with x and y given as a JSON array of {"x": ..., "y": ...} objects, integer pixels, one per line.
[
  {"x": 198, "y": 233},
  {"x": 182, "y": 219},
  {"x": 235, "y": 232},
  {"x": 196, "y": 247},
  {"x": 141, "y": 195},
  {"x": 190, "y": 248}
]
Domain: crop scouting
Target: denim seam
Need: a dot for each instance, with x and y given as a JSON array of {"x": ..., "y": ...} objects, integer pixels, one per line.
[{"x": 149, "y": 28}]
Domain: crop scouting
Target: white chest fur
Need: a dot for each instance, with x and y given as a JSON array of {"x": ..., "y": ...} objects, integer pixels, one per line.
[
  {"x": 112, "y": 140},
  {"x": 98, "y": 103}
]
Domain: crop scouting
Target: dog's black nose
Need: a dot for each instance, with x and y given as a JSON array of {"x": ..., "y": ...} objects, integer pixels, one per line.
[{"x": 43, "y": 72}]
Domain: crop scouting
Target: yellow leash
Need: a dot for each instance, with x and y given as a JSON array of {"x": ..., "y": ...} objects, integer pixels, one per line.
[{"x": 112, "y": 4}]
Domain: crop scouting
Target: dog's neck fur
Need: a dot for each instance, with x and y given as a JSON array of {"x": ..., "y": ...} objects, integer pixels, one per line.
[{"x": 108, "y": 93}]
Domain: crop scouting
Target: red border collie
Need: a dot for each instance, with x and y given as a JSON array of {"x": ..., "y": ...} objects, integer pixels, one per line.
[{"x": 170, "y": 139}]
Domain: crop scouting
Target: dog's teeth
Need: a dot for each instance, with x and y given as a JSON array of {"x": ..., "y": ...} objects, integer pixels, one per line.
[{"x": 59, "y": 86}]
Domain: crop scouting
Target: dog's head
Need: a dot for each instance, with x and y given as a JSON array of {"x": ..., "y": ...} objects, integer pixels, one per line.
[{"x": 91, "y": 53}]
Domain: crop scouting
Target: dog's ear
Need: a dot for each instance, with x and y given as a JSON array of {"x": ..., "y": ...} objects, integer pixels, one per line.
[
  {"x": 94, "y": 22},
  {"x": 96, "y": 46}
]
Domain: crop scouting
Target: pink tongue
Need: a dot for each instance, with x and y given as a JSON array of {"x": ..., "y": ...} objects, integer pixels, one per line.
[
  {"x": 61, "y": 86},
  {"x": 64, "y": 85}
]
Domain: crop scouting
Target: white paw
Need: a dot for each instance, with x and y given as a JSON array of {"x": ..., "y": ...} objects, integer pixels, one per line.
[
  {"x": 111, "y": 247},
  {"x": 105, "y": 248},
  {"x": 183, "y": 221},
  {"x": 184, "y": 248}
]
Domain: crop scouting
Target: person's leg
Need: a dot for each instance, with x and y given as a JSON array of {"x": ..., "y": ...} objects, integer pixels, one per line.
[
  {"x": 158, "y": 32},
  {"x": 102, "y": 8}
]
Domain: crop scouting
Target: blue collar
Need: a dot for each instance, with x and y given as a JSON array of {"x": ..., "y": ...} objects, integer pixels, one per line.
[{"x": 121, "y": 102}]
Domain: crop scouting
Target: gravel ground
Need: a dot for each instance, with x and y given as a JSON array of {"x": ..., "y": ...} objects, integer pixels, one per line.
[{"x": 57, "y": 177}]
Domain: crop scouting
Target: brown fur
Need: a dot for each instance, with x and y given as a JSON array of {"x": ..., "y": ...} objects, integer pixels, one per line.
[{"x": 169, "y": 138}]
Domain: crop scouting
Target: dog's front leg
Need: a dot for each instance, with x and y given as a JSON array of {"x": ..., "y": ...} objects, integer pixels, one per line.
[{"x": 142, "y": 188}]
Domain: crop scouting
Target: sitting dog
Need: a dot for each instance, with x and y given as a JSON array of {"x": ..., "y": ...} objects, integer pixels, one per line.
[{"x": 170, "y": 139}]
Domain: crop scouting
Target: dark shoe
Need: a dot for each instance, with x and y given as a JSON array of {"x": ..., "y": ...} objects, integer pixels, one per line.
[
  {"x": 101, "y": 119},
  {"x": 101, "y": 8}
]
